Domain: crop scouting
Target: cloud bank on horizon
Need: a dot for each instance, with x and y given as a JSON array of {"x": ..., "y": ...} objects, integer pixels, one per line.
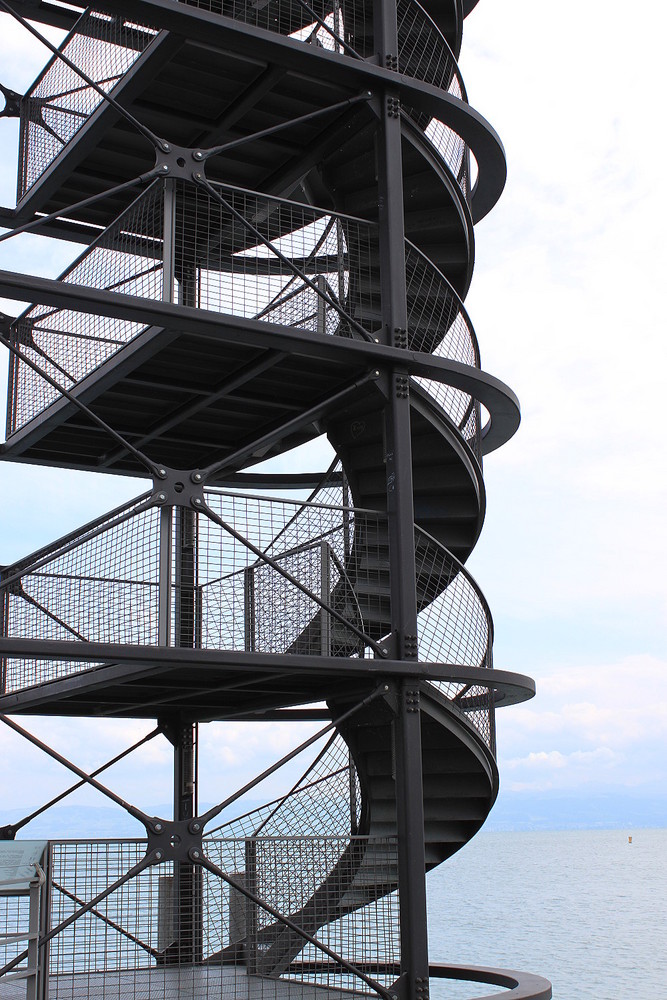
[{"x": 568, "y": 304}]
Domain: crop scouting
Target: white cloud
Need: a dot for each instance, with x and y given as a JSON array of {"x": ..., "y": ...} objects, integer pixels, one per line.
[{"x": 604, "y": 723}]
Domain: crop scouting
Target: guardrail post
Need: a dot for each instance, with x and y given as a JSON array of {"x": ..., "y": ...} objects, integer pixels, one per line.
[
  {"x": 251, "y": 907},
  {"x": 249, "y": 608},
  {"x": 4, "y": 619},
  {"x": 320, "y": 281},
  {"x": 164, "y": 577},
  {"x": 325, "y": 594}
]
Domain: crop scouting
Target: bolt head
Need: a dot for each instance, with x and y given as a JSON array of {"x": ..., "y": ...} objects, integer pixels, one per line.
[
  {"x": 198, "y": 176},
  {"x": 197, "y": 477},
  {"x": 162, "y": 472},
  {"x": 196, "y": 827},
  {"x": 164, "y": 168},
  {"x": 385, "y": 650},
  {"x": 197, "y": 502},
  {"x": 198, "y": 155},
  {"x": 158, "y": 855},
  {"x": 162, "y": 496},
  {"x": 195, "y": 854},
  {"x": 166, "y": 148},
  {"x": 158, "y": 827}
]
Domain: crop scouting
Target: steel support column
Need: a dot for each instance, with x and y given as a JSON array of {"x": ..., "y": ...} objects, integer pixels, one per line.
[
  {"x": 413, "y": 981},
  {"x": 180, "y": 283}
]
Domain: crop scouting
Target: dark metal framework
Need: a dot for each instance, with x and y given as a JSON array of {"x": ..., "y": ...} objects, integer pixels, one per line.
[{"x": 276, "y": 208}]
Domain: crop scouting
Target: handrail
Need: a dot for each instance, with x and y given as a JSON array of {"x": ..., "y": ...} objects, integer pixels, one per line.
[
  {"x": 520, "y": 985},
  {"x": 116, "y": 259}
]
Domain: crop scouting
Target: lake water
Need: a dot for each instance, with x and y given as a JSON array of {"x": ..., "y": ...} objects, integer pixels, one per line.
[{"x": 584, "y": 908}]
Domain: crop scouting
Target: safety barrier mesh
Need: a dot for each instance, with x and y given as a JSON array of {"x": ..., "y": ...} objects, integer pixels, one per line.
[
  {"x": 15, "y": 924},
  {"x": 106, "y": 47},
  {"x": 60, "y": 102},
  {"x": 68, "y": 345},
  {"x": 324, "y": 801},
  {"x": 265, "y": 258},
  {"x": 246, "y": 255},
  {"x": 439, "y": 324},
  {"x": 101, "y": 586},
  {"x": 454, "y": 626},
  {"x": 176, "y": 929},
  {"x": 250, "y": 603},
  {"x": 336, "y": 25}
]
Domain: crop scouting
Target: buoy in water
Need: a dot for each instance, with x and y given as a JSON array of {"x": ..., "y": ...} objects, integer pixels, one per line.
[{"x": 629, "y": 840}]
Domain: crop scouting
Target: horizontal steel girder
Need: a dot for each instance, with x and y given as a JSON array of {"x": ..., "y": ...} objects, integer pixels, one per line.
[
  {"x": 168, "y": 319},
  {"x": 135, "y": 662}
]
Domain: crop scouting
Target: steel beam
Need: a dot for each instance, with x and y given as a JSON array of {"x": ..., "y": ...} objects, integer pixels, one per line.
[
  {"x": 401, "y": 521},
  {"x": 165, "y": 320}
]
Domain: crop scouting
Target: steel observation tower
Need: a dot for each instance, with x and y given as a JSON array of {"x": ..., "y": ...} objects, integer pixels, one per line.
[{"x": 270, "y": 207}]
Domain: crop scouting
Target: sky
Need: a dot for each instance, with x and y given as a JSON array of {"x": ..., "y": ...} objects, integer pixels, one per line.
[{"x": 568, "y": 304}]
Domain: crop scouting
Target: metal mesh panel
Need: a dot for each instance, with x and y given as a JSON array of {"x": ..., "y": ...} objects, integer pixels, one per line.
[
  {"x": 247, "y": 603},
  {"x": 454, "y": 626},
  {"x": 106, "y": 47},
  {"x": 60, "y": 102},
  {"x": 454, "y": 621},
  {"x": 69, "y": 345},
  {"x": 222, "y": 263},
  {"x": 453, "y": 151},
  {"x": 99, "y": 587},
  {"x": 15, "y": 924},
  {"x": 439, "y": 324},
  {"x": 425, "y": 55},
  {"x": 324, "y": 802},
  {"x": 103, "y": 586},
  {"x": 175, "y": 930},
  {"x": 333, "y": 24},
  {"x": 423, "y": 52},
  {"x": 230, "y": 269}
]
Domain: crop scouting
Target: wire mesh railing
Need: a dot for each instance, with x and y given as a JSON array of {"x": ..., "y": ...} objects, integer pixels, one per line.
[
  {"x": 295, "y": 577},
  {"x": 247, "y": 602},
  {"x": 439, "y": 324},
  {"x": 175, "y": 925},
  {"x": 16, "y": 928},
  {"x": 238, "y": 253},
  {"x": 336, "y": 25},
  {"x": 325, "y": 800},
  {"x": 60, "y": 102},
  {"x": 454, "y": 626},
  {"x": 106, "y": 47},
  {"x": 68, "y": 345}
]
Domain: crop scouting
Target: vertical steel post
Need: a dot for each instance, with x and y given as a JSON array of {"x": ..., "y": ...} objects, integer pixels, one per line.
[
  {"x": 250, "y": 880},
  {"x": 413, "y": 982},
  {"x": 188, "y": 882},
  {"x": 4, "y": 619},
  {"x": 249, "y": 608},
  {"x": 321, "y": 304},
  {"x": 32, "y": 979},
  {"x": 164, "y": 577},
  {"x": 325, "y": 594}
]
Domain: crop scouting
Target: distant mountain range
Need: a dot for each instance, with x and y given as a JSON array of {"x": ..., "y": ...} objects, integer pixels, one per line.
[
  {"x": 513, "y": 811},
  {"x": 594, "y": 810}
]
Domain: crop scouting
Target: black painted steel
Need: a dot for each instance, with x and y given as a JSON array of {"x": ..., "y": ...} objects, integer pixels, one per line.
[{"x": 276, "y": 203}]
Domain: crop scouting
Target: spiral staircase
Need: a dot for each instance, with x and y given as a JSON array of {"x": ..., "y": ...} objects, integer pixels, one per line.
[{"x": 275, "y": 202}]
